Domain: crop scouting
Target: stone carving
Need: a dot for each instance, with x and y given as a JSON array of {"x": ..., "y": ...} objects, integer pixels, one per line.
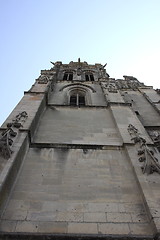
[
  {"x": 79, "y": 71},
  {"x": 121, "y": 84},
  {"x": 147, "y": 156},
  {"x": 6, "y": 142},
  {"x": 8, "y": 135},
  {"x": 151, "y": 163},
  {"x": 111, "y": 86},
  {"x": 129, "y": 82},
  {"x": 102, "y": 72},
  {"x": 43, "y": 79},
  {"x": 18, "y": 121},
  {"x": 155, "y": 136}
]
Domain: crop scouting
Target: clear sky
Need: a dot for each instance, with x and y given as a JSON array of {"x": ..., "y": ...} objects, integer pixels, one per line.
[{"x": 125, "y": 34}]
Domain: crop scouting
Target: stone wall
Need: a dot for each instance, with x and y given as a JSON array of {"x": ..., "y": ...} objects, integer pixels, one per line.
[{"x": 73, "y": 191}]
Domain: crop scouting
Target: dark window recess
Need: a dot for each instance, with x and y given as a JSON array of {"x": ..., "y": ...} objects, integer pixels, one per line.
[
  {"x": 77, "y": 100},
  {"x": 65, "y": 76},
  {"x": 137, "y": 113},
  {"x": 73, "y": 100},
  {"x": 89, "y": 77},
  {"x": 68, "y": 76},
  {"x": 81, "y": 101}
]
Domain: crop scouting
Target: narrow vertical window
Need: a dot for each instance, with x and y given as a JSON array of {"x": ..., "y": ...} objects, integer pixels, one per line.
[
  {"x": 73, "y": 100},
  {"x": 87, "y": 77},
  {"x": 70, "y": 76},
  {"x": 81, "y": 101},
  {"x": 91, "y": 77},
  {"x": 65, "y": 76}
]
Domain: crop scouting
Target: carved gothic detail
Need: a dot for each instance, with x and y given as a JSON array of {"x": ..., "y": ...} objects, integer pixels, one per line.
[
  {"x": 102, "y": 72},
  {"x": 129, "y": 82},
  {"x": 79, "y": 71},
  {"x": 155, "y": 136},
  {"x": 8, "y": 135},
  {"x": 110, "y": 86},
  {"x": 43, "y": 79},
  {"x": 147, "y": 156},
  {"x": 18, "y": 121},
  {"x": 6, "y": 142}
]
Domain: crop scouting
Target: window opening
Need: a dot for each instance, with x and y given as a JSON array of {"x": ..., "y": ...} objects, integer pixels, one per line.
[
  {"x": 73, "y": 101},
  {"x": 89, "y": 77},
  {"x": 65, "y": 76},
  {"x": 77, "y": 100},
  {"x": 68, "y": 76},
  {"x": 81, "y": 101}
]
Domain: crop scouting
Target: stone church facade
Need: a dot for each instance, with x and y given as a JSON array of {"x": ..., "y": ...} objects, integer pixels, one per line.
[{"x": 80, "y": 158}]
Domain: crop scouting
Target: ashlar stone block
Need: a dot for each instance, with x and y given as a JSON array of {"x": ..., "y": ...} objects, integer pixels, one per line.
[
  {"x": 114, "y": 228},
  {"x": 83, "y": 228}
]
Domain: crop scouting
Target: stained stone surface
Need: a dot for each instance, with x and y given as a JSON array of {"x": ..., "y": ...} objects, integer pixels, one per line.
[
  {"x": 77, "y": 125},
  {"x": 75, "y": 170},
  {"x": 69, "y": 191}
]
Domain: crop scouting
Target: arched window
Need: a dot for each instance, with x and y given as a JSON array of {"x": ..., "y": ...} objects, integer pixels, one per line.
[
  {"x": 89, "y": 76},
  {"x": 68, "y": 76},
  {"x": 77, "y": 98}
]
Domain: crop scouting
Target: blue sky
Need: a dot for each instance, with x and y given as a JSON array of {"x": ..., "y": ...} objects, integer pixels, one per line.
[{"x": 125, "y": 34}]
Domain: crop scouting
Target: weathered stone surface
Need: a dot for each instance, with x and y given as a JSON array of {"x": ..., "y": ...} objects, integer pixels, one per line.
[
  {"x": 140, "y": 229},
  {"x": 61, "y": 122},
  {"x": 111, "y": 228},
  {"x": 50, "y": 227},
  {"x": 73, "y": 169},
  {"x": 8, "y": 226},
  {"x": 119, "y": 217},
  {"x": 59, "y": 186},
  {"x": 26, "y": 226},
  {"x": 70, "y": 217},
  {"x": 95, "y": 217},
  {"x": 86, "y": 228}
]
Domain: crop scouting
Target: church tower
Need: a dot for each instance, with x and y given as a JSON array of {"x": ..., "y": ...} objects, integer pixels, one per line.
[{"x": 80, "y": 158}]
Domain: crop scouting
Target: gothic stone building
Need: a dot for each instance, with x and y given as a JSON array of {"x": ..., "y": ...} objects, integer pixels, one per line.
[{"x": 80, "y": 158}]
